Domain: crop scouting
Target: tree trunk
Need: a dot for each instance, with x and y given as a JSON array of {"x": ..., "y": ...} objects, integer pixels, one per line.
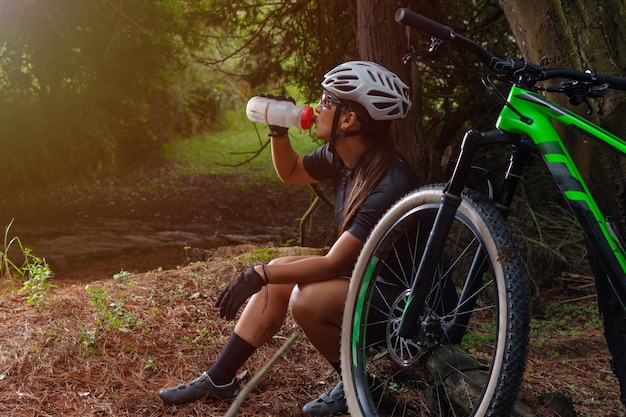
[
  {"x": 582, "y": 35},
  {"x": 586, "y": 34},
  {"x": 382, "y": 40}
]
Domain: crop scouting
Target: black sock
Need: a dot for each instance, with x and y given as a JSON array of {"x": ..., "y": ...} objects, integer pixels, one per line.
[{"x": 233, "y": 356}]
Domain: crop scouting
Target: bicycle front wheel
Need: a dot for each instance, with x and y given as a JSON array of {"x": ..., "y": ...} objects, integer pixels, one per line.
[{"x": 468, "y": 357}]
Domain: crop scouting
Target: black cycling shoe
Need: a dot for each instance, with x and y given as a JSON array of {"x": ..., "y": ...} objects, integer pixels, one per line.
[
  {"x": 332, "y": 403},
  {"x": 202, "y": 387}
]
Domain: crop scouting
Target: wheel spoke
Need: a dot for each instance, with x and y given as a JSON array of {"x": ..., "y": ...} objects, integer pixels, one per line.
[{"x": 426, "y": 375}]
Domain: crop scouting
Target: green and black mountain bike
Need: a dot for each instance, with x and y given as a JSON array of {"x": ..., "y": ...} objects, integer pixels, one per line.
[{"x": 436, "y": 321}]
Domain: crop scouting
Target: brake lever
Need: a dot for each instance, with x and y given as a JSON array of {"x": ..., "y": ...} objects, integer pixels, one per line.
[
  {"x": 412, "y": 55},
  {"x": 598, "y": 91},
  {"x": 578, "y": 92},
  {"x": 434, "y": 44},
  {"x": 563, "y": 87}
]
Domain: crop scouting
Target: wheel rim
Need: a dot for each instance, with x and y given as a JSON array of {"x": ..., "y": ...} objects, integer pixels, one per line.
[{"x": 414, "y": 375}]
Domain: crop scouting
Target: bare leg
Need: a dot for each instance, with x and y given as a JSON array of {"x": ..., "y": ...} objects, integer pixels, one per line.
[
  {"x": 266, "y": 310},
  {"x": 264, "y": 314},
  {"x": 318, "y": 309},
  {"x": 260, "y": 320}
]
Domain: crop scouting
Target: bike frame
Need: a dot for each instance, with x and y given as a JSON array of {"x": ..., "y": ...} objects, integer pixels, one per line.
[
  {"x": 525, "y": 115},
  {"x": 542, "y": 130}
]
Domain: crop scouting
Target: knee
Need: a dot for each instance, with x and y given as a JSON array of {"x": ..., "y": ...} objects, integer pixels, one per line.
[{"x": 302, "y": 304}]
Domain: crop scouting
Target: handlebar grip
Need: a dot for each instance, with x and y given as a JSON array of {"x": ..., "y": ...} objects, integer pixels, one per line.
[
  {"x": 618, "y": 83},
  {"x": 424, "y": 24}
]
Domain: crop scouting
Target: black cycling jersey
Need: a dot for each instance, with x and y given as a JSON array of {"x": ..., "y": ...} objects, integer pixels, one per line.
[{"x": 322, "y": 164}]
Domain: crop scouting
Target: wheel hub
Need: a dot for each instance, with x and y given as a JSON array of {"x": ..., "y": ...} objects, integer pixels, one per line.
[{"x": 405, "y": 351}]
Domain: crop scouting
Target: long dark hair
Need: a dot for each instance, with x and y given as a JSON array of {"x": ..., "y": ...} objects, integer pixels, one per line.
[{"x": 370, "y": 169}]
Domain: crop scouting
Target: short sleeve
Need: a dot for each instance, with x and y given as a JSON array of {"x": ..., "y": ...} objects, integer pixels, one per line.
[{"x": 320, "y": 164}]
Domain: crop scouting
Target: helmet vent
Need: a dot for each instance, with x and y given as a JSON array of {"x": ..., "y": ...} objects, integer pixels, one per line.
[{"x": 379, "y": 91}]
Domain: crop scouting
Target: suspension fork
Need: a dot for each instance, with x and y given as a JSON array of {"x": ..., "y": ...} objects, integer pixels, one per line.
[
  {"x": 450, "y": 201},
  {"x": 520, "y": 154}
]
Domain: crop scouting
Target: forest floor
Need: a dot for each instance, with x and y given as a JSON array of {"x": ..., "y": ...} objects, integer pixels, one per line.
[{"x": 138, "y": 265}]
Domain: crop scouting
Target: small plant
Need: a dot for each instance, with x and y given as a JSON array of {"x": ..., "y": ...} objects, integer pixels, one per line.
[
  {"x": 122, "y": 274},
  {"x": 111, "y": 315},
  {"x": 149, "y": 363},
  {"x": 33, "y": 273},
  {"x": 187, "y": 250},
  {"x": 87, "y": 342},
  {"x": 36, "y": 272},
  {"x": 8, "y": 268}
]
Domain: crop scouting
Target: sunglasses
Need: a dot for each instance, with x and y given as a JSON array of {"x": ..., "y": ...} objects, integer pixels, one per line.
[{"x": 326, "y": 101}]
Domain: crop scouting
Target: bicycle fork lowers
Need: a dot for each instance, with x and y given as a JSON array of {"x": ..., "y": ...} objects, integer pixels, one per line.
[{"x": 451, "y": 198}]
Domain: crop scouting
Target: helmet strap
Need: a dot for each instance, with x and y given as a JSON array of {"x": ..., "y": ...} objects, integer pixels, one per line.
[{"x": 334, "y": 137}]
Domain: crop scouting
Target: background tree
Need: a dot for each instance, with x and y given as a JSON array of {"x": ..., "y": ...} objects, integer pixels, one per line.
[
  {"x": 84, "y": 85},
  {"x": 445, "y": 104},
  {"x": 279, "y": 43},
  {"x": 591, "y": 35},
  {"x": 90, "y": 86}
]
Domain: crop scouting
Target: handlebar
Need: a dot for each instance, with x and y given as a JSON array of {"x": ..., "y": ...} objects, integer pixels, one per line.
[
  {"x": 518, "y": 70},
  {"x": 424, "y": 24}
]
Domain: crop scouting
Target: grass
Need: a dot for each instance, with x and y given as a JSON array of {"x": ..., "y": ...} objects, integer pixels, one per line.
[
  {"x": 569, "y": 322},
  {"x": 568, "y": 354},
  {"x": 33, "y": 273},
  {"x": 235, "y": 145}
]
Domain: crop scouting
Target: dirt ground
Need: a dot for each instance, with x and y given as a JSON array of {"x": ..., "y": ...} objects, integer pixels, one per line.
[
  {"x": 138, "y": 265},
  {"x": 143, "y": 220}
]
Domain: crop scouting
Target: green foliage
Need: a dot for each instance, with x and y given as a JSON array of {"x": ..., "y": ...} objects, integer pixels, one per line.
[
  {"x": 110, "y": 315},
  {"x": 122, "y": 274},
  {"x": 89, "y": 86},
  {"x": 283, "y": 42},
  {"x": 8, "y": 268},
  {"x": 88, "y": 342},
  {"x": 32, "y": 274},
  {"x": 36, "y": 273},
  {"x": 236, "y": 143},
  {"x": 149, "y": 363},
  {"x": 86, "y": 84}
]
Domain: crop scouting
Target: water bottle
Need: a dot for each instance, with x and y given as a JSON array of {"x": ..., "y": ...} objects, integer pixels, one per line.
[{"x": 279, "y": 113}]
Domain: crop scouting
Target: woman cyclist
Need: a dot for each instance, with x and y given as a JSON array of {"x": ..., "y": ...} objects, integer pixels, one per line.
[{"x": 358, "y": 103}]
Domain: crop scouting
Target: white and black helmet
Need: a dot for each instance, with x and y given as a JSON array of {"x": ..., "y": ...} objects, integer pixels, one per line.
[{"x": 381, "y": 92}]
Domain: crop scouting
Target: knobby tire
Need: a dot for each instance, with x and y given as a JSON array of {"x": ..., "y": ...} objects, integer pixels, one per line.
[{"x": 469, "y": 356}]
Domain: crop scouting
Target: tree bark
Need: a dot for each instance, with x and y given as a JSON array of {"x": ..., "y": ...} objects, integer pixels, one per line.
[
  {"x": 582, "y": 34},
  {"x": 382, "y": 40},
  {"x": 586, "y": 34}
]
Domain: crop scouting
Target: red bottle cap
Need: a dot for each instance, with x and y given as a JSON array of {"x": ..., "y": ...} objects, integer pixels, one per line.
[{"x": 307, "y": 117}]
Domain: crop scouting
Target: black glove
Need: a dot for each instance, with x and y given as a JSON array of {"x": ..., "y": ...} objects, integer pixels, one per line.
[
  {"x": 278, "y": 131},
  {"x": 243, "y": 286}
]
